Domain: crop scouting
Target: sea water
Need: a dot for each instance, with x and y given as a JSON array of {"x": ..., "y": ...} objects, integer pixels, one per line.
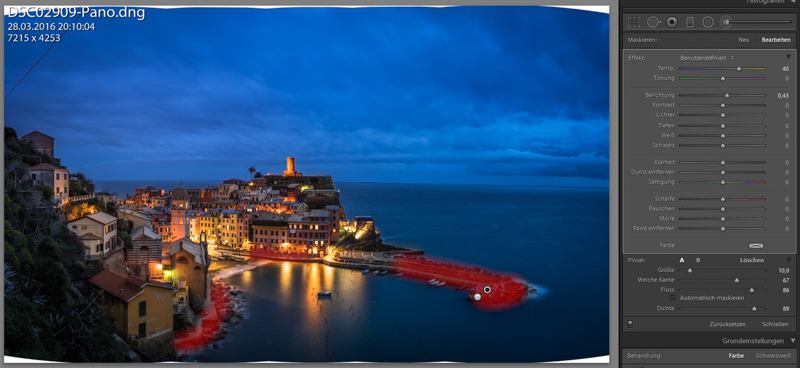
[{"x": 556, "y": 238}]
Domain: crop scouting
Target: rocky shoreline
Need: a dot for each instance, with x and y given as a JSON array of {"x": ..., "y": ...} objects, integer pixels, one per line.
[
  {"x": 227, "y": 310},
  {"x": 235, "y": 311}
]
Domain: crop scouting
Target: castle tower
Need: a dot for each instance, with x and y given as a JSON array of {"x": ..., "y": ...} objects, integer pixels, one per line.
[
  {"x": 290, "y": 168},
  {"x": 179, "y": 226}
]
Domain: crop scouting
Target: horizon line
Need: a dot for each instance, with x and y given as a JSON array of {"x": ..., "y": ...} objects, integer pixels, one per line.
[{"x": 384, "y": 182}]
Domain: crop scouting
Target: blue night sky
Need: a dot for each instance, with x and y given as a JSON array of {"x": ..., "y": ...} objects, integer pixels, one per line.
[{"x": 472, "y": 95}]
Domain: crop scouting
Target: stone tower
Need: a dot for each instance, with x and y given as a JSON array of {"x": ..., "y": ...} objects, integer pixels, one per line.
[
  {"x": 290, "y": 168},
  {"x": 179, "y": 226}
]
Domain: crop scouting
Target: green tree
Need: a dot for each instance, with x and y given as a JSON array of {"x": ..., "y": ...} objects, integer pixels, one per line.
[
  {"x": 111, "y": 208},
  {"x": 15, "y": 169},
  {"x": 258, "y": 175},
  {"x": 48, "y": 192},
  {"x": 124, "y": 225},
  {"x": 80, "y": 185},
  {"x": 126, "y": 239},
  {"x": 44, "y": 318}
]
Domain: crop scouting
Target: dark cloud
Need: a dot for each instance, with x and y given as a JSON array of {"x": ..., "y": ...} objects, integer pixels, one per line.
[{"x": 197, "y": 93}]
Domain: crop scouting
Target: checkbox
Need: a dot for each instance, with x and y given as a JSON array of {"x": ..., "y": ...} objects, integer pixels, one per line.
[{"x": 672, "y": 297}]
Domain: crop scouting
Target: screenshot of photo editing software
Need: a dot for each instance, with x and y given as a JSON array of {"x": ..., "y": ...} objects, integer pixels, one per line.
[{"x": 594, "y": 183}]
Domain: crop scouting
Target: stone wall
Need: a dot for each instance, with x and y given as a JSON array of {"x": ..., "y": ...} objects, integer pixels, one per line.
[
  {"x": 116, "y": 261},
  {"x": 159, "y": 347},
  {"x": 184, "y": 319}
]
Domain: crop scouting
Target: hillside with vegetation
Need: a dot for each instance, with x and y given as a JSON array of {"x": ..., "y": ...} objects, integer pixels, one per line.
[{"x": 46, "y": 316}]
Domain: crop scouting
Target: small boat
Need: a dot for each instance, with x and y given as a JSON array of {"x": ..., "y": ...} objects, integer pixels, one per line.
[
  {"x": 376, "y": 272},
  {"x": 324, "y": 293},
  {"x": 439, "y": 284},
  {"x": 222, "y": 258},
  {"x": 432, "y": 282},
  {"x": 397, "y": 274},
  {"x": 365, "y": 272},
  {"x": 384, "y": 272}
]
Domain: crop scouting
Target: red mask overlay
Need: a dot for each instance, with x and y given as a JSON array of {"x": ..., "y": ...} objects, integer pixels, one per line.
[
  {"x": 208, "y": 330},
  {"x": 488, "y": 290}
]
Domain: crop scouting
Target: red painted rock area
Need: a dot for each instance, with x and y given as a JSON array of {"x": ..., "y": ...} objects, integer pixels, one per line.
[
  {"x": 209, "y": 326},
  {"x": 497, "y": 291}
]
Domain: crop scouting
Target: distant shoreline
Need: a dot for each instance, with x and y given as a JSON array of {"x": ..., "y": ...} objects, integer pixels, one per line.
[
  {"x": 221, "y": 265},
  {"x": 143, "y": 181}
]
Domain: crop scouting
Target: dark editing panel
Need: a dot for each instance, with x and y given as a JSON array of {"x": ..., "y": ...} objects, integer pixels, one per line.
[{"x": 708, "y": 179}]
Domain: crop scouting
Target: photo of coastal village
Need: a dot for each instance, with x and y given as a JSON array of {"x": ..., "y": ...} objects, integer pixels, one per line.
[{"x": 454, "y": 241}]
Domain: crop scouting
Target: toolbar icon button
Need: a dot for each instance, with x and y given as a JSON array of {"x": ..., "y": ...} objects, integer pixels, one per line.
[{"x": 672, "y": 22}]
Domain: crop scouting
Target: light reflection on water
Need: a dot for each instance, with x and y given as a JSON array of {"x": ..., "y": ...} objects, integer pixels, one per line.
[
  {"x": 407, "y": 321},
  {"x": 299, "y": 284},
  {"x": 372, "y": 318},
  {"x": 247, "y": 277},
  {"x": 312, "y": 320},
  {"x": 285, "y": 302},
  {"x": 285, "y": 278}
]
